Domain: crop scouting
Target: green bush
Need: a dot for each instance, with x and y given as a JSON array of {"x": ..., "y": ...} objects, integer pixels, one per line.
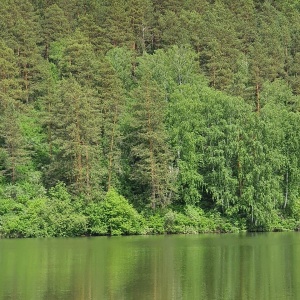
[
  {"x": 11, "y": 226},
  {"x": 176, "y": 222},
  {"x": 114, "y": 216},
  {"x": 10, "y": 206},
  {"x": 295, "y": 209},
  {"x": 198, "y": 222},
  {"x": 95, "y": 224},
  {"x": 10, "y": 223},
  {"x": 194, "y": 220},
  {"x": 33, "y": 220},
  {"x": 64, "y": 217},
  {"x": 155, "y": 224}
]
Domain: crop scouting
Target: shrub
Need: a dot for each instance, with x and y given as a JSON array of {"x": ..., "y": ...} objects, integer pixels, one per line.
[
  {"x": 34, "y": 219},
  {"x": 175, "y": 222},
  {"x": 63, "y": 217},
  {"x": 155, "y": 224},
  {"x": 114, "y": 216}
]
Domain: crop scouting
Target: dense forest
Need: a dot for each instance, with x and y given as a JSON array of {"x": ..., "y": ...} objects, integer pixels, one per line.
[{"x": 147, "y": 116}]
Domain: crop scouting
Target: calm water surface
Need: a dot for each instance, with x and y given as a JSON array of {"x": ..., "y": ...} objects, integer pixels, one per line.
[{"x": 229, "y": 266}]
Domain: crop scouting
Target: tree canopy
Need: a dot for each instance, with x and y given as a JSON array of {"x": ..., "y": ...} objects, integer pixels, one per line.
[{"x": 143, "y": 116}]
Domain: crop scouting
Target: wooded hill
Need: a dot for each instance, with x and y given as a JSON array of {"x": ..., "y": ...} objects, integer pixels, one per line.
[{"x": 187, "y": 112}]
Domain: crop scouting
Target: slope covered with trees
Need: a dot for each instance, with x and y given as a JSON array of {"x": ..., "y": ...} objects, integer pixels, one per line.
[{"x": 145, "y": 116}]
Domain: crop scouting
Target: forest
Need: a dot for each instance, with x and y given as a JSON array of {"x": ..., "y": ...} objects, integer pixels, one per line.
[{"x": 123, "y": 117}]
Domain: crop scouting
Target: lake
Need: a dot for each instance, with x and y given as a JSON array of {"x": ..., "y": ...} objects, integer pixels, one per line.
[{"x": 209, "y": 266}]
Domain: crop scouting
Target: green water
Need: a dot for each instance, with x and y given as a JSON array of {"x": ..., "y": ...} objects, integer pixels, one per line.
[{"x": 232, "y": 266}]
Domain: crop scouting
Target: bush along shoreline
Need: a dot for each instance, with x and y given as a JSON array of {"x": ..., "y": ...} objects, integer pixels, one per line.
[{"x": 60, "y": 215}]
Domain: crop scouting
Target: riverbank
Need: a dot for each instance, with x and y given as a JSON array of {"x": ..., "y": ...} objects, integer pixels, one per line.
[{"x": 61, "y": 216}]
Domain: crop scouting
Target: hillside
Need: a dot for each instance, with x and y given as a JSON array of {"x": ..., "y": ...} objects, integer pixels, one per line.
[{"x": 142, "y": 117}]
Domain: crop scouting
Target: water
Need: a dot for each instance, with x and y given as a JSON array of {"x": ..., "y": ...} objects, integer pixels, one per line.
[{"x": 230, "y": 266}]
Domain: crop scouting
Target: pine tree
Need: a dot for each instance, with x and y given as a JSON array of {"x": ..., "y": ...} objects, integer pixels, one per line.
[
  {"x": 118, "y": 24},
  {"x": 268, "y": 51},
  {"x": 141, "y": 21},
  {"x": 95, "y": 33},
  {"x": 149, "y": 156},
  {"x": 78, "y": 60},
  {"x": 55, "y": 26},
  {"x": 75, "y": 138},
  {"x": 173, "y": 29},
  {"x": 112, "y": 102},
  {"x": 20, "y": 29},
  {"x": 75, "y": 9},
  {"x": 12, "y": 144},
  {"x": 293, "y": 48},
  {"x": 76, "y": 117},
  {"x": 220, "y": 46}
]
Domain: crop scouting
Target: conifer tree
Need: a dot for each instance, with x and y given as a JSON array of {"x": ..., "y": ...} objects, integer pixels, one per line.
[
  {"x": 12, "y": 144},
  {"x": 55, "y": 26},
  {"x": 220, "y": 46},
  {"x": 95, "y": 33},
  {"x": 112, "y": 102},
  {"x": 173, "y": 29},
  {"x": 141, "y": 21},
  {"x": 75, "y": 118},
  {"x": 75, "y": 9},
  {"x": 21, "y": 31},
  {"x": 267, "y": 53},
  {"x": 79, "y": 60},
  {"x": 149, "y": 156},
  {"x": 118, "y": 24}
]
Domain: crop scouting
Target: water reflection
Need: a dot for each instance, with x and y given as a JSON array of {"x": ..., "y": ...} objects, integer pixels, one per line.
[{"x": 258, "y": 266}]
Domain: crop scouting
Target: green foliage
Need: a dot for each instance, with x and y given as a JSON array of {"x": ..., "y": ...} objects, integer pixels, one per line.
[
  {"x": 175, "y": 222},
  {"x": 55, "y": 26},
  {"x": 155, "y": 224},
  {"x": 113, "y": 216},
  {"x": 185, "y": 123},
  {"x": 64, "y": 218},
  {"x": 23, "y": 220},
  {"x": 193, "y": 220},
  {"x": 148, "y": 151},
  {"x": 295, "y": 210},
  {"x": 42, "y": 217},
  {"x": 190, "y": 109},
  {"x": 121, "y": 60}
]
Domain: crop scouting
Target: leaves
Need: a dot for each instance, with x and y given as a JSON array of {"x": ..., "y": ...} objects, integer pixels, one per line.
[{"x": 184, "y": 108}]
